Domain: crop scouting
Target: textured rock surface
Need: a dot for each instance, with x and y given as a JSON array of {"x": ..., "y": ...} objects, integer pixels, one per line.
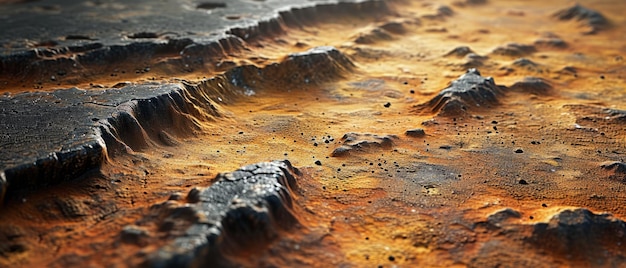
[
  {"x": 582, "y": 234},
  {"x": 362, "y": 142},
  {"x": 36, "y": 45},
  {"x": 49, "y": 137},
  {"x": 470, "y": 91},
  {"x": 242, "y": 210},
  {"x": 64, "y": 133},
  {"x": 469, "y": 190}
]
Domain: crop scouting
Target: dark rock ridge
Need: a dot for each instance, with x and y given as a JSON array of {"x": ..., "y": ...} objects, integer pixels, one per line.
[
  {"x": 50, "y": 137},
  {"x": 592, "y": 19},
  {"x": 470, "y": 91},
  {"x": 241, "y": 212},
  {"x": 362, "y": 141},
  {"x": 191, "y": 43},
  {"x": 580, "y": 234},
  {"x": 315, "y": 66}
]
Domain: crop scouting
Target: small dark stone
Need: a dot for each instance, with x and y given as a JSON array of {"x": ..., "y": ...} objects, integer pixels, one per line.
[
  {"x": 319, "y": 163},
  {"x": 392, "y": 258},
  {"x": 523, "y": 182},
  {"x": 418, "y": 132},
  {"x": 387, "y": 105},
  {"x": 519, "y": 151}
]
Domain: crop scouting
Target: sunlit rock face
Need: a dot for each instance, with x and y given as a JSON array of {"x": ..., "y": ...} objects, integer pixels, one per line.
[
  {"x": 469, "y": 92},
  {"x": 473, "y": 133},
  {"x": 243, "y": 210}
]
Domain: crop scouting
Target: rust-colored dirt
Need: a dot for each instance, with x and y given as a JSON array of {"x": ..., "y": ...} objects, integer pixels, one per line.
[{"x": 415, "y": 200}]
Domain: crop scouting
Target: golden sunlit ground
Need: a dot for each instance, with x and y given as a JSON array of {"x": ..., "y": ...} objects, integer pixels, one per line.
[{"x": 417, "y": 201}]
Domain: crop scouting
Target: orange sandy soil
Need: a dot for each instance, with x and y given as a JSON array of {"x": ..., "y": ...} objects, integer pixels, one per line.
[{"x": 413, "y": 201}]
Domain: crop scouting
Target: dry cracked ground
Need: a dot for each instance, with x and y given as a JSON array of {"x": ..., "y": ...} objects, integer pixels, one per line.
[{"x": 475, "y": 133}]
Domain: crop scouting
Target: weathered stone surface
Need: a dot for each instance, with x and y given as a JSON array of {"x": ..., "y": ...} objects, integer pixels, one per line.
[
  {"x": 49, "y": 137},
  {"x": 469, "y": 91},
  {"x": 362, "y": 141},
  {"x": 243, "y": 210},
  {"x": 580, "y": 234},
  {"x": 37, "y": 45},
  {"x": 416, "y": 133},
  {"x": 590, "y": 18}
]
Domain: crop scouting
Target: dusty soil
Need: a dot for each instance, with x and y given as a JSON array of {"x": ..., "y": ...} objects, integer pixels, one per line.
[{"x": 484, "y": 185}]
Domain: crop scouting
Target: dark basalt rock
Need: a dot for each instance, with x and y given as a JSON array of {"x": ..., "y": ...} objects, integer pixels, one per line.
[
  {"x": 514, "y": 50},
  {"x": 592, "y": 19},
  {"x": 50, "y": 137},
  {"x": 470, "y": 91},
  {"x": 581, "y": 234},
  {"x": 202, "y": 38},
  {"x": 360, "y": 142},
  {"x": 416, "y": 133},
  {"x": 241, "y": 212},
  {"x": 617, "y": 167},
  {"x": 533, "y": 85},
  {"x": 312, "y": 67}
]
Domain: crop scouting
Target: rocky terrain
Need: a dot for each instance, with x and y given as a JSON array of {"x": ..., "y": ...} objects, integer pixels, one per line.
[{"x": 364, "y": 133}]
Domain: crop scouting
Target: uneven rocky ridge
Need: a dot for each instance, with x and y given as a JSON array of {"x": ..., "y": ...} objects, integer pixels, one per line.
[
  {"x": 187, "y": 46},
  {"x": 69, "y": 132},
  {"x": 242, "y": 210},
  {"x": 407, "y": 155}
]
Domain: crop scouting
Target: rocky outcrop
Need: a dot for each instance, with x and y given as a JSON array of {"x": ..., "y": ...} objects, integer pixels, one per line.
[
  {"x": 354, "y": 142},
  {"x": 581, "y": 234},
  {"x": 56, "y": 51},
  {"x": 50, "y": 137},
  {"x": 470, "y": 91},
  {"x": 242, "y": 211}
]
